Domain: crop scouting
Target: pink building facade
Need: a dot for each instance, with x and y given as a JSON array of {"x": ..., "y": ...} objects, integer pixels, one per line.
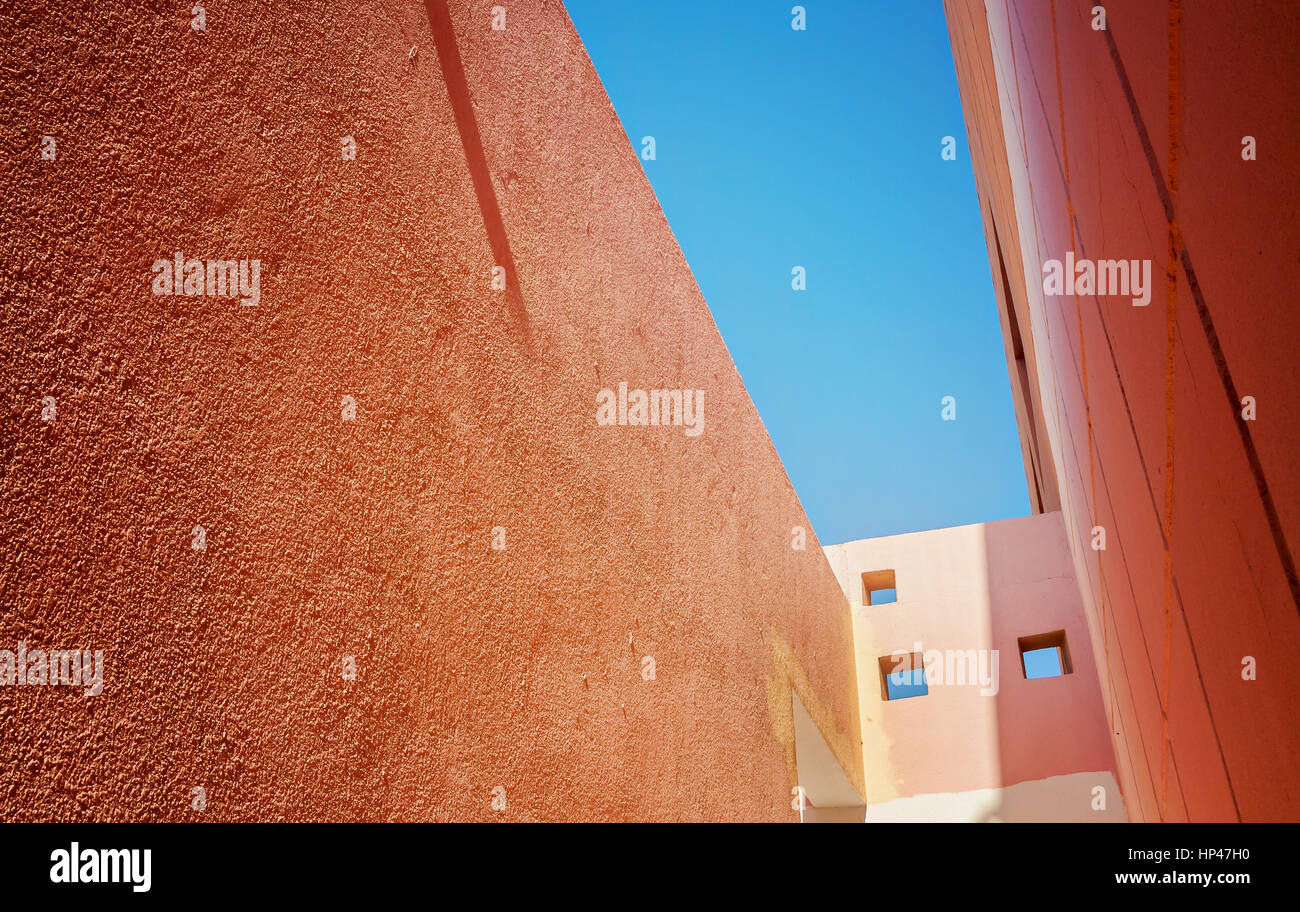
[{"x": 984, "y": 743}]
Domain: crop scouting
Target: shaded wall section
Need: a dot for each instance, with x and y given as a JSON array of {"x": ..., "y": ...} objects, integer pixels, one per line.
[
  {"x": 1162, "y": 137},
  {"x": 500, "y": 683}
]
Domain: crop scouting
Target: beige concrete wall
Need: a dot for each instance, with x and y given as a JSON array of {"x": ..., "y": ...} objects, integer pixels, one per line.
[
  {"x": 965, "y": 597},
  {"x": 1050, "y": 800}
]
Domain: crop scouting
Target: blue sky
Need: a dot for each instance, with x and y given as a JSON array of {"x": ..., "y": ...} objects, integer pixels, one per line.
[
  {"x": 779, "y": 148},
  {"x": 1043, "y": 663}
]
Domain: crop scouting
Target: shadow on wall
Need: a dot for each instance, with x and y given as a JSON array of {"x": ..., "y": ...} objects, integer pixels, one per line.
[
  {"x": 825, "y": 793},
  {"x": 1056, "y": 722},
  {"x": 462, "y": 105}
]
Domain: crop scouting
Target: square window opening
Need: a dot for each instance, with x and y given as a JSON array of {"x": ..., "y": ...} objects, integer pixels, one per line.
[
  {"x": 902, "y": 676},
  {"x": 878, "y": 587},
  {"x": 1045, "y": 655}
]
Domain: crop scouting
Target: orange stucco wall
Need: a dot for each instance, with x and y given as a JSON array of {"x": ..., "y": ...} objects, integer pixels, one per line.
[
  {"x": 1127, "y": 143},
  {"x": 476, "y": 668}
]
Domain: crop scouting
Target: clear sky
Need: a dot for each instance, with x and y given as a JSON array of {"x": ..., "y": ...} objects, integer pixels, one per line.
[{"x": 821, "y": 148}]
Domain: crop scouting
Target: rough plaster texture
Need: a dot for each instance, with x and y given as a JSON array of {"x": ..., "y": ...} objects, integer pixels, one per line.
[
  {"x": 967, "y": 594},
  {"x": 1111, "y": 143},
  {"x": 326, "y": 538}
]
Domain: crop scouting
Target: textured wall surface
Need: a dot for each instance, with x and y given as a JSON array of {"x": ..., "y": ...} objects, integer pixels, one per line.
[
  {"x": 965, "y": 595},
  {"x": 372, "y": 538},
  {"x": 1127, "y": 142}
]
